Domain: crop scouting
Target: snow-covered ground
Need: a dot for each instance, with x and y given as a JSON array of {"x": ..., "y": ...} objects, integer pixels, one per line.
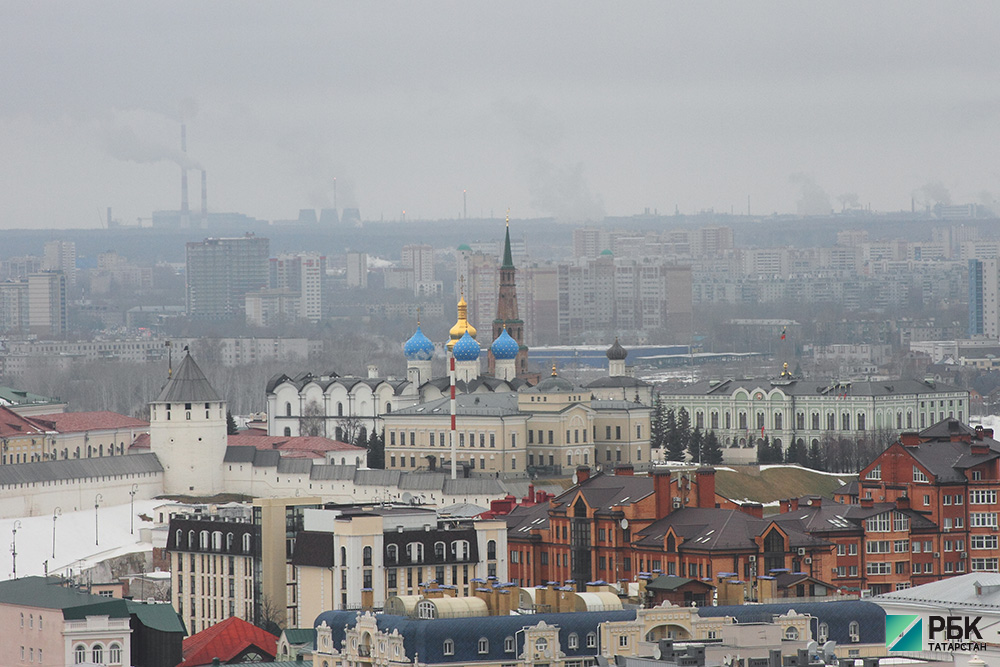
[{"x": 79, "y": 542}]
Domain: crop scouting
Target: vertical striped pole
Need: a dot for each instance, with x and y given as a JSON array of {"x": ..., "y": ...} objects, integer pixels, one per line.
[{"x": 454, "y": 454}]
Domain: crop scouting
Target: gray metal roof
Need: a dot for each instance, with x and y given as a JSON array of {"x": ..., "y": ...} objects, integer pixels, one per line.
[
  {"x": 297, "y": 465},
  {"x": 960, "y": 591},
  {"x": 239, "y": 454},
  {"x": 422, "y": 481},
  {"x": 188, "y": 385},
  {"x": 468, "y": 405},
  {"x": 473, "y": 485},
  {"x": 332, "y": 472},
  {"x": 377, "y": 477},
  {"x": 796, "y": 387},
  {"x": 47, "y": 471}
]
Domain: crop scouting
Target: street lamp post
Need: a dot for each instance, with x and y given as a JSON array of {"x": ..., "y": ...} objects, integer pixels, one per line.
[
  {"x": 56, "y": 513},
  {"x": 135, "y": 489},
  {"x": 97, "y": 531},
  {"x": 13, "y": 545}
]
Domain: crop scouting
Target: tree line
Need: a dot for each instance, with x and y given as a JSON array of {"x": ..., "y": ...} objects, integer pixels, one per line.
[{"x": 671, "y": 432}]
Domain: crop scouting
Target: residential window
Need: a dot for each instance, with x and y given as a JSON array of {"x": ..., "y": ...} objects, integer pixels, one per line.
[
  {"x": 449, "y": 647},
  {"x": 484, "y": 645},
  {"x": 900, "y": 522},
  {"x": 984, "y": 564},
  {"x": 591, "y": 640},
  {"x": 918, "y": 475},
  {"x": 878, "y": 523},
  {"x": 573, "y": 641},
  {"x": 982, "y": 497},
  {"x": 982, "y": 519},
  {"x": 978, "y": 542},
  {"x": 508, "y": 645},
  {"x": 875, "y": 473}
]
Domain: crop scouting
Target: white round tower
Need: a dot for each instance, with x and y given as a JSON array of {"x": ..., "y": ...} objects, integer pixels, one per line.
[{"x": 187, "y": 432}]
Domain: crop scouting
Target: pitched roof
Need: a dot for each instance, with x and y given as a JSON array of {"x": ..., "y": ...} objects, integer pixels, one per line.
[
  {"x": 46, "y": 593},
  {"x": 834, "y": 517},
  {"x": 188, "y": 385},
  {"x": 78, "y": 422},
  {"x": 605, "y": 491},
  {"x": 47, "y": 471},
  {"x": 312, "y": 445},
  {"x": 157, "y": 616},
  {"x": 226, "y": 640},
  {"x": 796, "y": 387},
  {"x": 669, "y": 582},
  {"x": 18, "y": 397},
  {"x": 973, "y": 590},
  {"x": 13, "y": 424},
  {"x": 718, "y": 529}
]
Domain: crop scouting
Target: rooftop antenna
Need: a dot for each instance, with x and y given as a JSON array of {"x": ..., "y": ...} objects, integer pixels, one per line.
[{"x": 170, "y": 360}]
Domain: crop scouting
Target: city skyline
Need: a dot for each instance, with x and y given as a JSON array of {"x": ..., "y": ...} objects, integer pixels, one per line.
[{"x": 441, "y": 110}]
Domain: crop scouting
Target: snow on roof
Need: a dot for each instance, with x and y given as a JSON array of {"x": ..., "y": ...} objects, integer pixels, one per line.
[{"x": 75, "y": 539}]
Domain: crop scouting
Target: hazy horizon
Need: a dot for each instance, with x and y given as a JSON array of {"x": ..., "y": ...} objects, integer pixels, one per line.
[{"x": 570, "y": 110}]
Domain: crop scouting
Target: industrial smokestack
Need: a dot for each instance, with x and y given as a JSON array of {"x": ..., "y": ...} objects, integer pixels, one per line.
[
  {"x": 185, "y": 212},
  {"x": 204, "y": 199}
]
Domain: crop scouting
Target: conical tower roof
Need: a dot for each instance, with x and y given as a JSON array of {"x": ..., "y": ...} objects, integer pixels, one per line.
[
  {"x": 508, "y": 258},
  {"x": 188, "y": 385}
]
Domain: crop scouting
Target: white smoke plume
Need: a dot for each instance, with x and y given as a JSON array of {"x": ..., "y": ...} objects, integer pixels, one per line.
[
  {"x": 813, "y": 200},
  {"x": 121, "y": 142}
]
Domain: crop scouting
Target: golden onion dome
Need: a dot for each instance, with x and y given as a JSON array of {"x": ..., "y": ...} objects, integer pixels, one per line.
[{"x": 462, "y": 326}]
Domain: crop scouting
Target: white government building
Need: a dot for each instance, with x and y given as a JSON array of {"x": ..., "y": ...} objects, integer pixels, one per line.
[{"x": 789, "y": 409}]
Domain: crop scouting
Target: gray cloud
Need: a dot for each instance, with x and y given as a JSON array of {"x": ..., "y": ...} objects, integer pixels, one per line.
[
  {"x": 122, "y": 143},
  {"x": 813, "y": 200}
]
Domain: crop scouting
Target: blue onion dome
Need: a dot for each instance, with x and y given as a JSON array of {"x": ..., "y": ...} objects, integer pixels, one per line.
[
  {"x": 419, "y": 347},
  {"x": 466, "y": 349},
  {"x": 504, "y": 347}
]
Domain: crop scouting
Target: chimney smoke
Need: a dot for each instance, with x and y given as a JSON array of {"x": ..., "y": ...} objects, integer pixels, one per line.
[
  {"x": 185, "y": 212},
  {"x": 204, "y": 199}
]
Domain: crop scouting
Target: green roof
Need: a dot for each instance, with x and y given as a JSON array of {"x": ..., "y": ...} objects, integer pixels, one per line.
[
  {"x": 300, "y": 635},
  {"x": 113, "y": 607},
  {"x": 47, "y": 593},
  {"x": 465, "y": 246},
  {"x": 157, "y": 616},
  {"x": 508, "y": 260},
  {"x": 15, "y": 397},
  {"x": 606, "y": 252}
]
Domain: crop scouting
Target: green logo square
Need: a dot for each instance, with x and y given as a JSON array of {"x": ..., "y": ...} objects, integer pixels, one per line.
[{"x": 904, "y": 632}]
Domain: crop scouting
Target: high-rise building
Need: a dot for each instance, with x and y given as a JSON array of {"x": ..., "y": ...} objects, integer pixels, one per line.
[
  {"x": 13, "y": 306},
  {"x": 47, "y": 313},
  {"x": 419, "y": 258},
  {"x": 984, "y": 288},
  {"x": 507, "y": 316},
  {"x": 61, "y": 256},
  {"x": 220, "y": 272},
  {"x": 301, "y": 273},
  {"x": 357, "y": 270}
]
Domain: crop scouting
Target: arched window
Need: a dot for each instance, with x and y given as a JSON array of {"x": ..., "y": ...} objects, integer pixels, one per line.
[
  {"x": 425, "y": 609},
  {"x": 388, "y": 407},
  {"x": 79, "y": 654},
  {"x": 343, "y": 556},
  {"x": 115, "y": 654},
  {"x": 392, "y": 554},
  {"x": 415, "y": 552},
  {"x": 246, "y": 543},
  {"x": 854, "y": 629},
  {"x": 460, "y": 549},
  {"x": 449, "y": 647},
  {"x": 31, "y": 620},
  {"x": 591, "y": 640},
  {"x": 366, "y": 556},
  {"x": 574, "y": 640},
  {"x": 508, "y": 644},
  {"x": 439, "y": 551},
  {"x": 861, "y": 421},
  {"x": 288, "y": 431},
  {"x": 191, "y": 541},
  {"x": 824, "y": 633},
  {"x": 217, "y": 541},
  {"x": 491, "y": 550},
  {"x": 484, "y": 645},
  {"x": 791, "y": 633},
  {"x": 229, "y": 541},
  {"x": 97, "y": 654},
  {"x": 203, "y": 539},
  {"x": 340, "y": 409},
  {"x": 288, "y": 409}
]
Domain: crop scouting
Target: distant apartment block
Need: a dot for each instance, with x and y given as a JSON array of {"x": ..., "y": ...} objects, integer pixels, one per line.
[
  {"x": 47, "y": 311},
  {"x": 61, "y": 256},
  {"x": 270, "y": 307},
  {"x": 357, "y": 270},
  {"x": 984, "y": 288},
  {"x": 303, "y": 274},
  {"x": 220, "y": 273}
]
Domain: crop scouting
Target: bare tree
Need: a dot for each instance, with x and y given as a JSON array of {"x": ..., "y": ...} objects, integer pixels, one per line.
[{"x": 313, "y": 420}]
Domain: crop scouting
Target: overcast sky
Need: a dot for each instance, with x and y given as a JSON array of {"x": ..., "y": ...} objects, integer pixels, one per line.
[{"x": 575, "y": 109}]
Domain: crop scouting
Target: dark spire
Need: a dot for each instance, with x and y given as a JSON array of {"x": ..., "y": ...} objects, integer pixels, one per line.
[{"x": 508, "y": 260}]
